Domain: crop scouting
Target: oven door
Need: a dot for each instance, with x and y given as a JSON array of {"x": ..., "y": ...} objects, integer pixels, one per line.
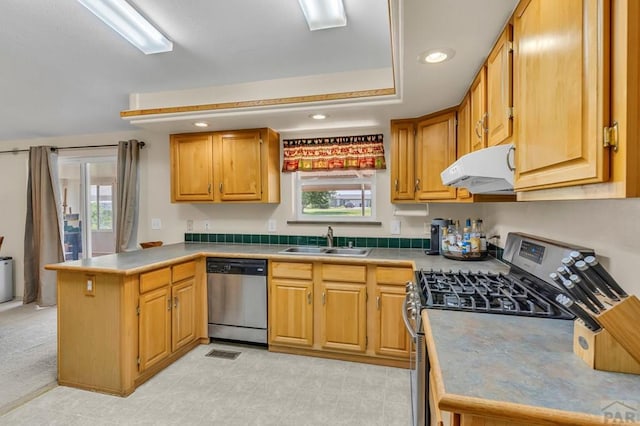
[{"x": 418, "y": 364}]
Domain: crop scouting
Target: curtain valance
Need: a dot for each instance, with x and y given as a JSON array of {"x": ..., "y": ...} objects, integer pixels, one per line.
[{"x": 337, "y": 153}]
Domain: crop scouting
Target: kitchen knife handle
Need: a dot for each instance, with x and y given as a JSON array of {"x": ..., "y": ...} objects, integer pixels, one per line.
[
  {"x": 595, "y": 278},
  {"x": 608, "y": 279},
  {"x": 570, "y": 264},
  {"x": 580, "y": 284},
  {"x": 580, "y": 296},
  {"x": 580, "y": 313}
]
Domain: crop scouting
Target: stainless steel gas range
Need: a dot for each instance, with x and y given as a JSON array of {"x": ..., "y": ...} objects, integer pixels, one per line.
[{"x": 526, "y": 290}]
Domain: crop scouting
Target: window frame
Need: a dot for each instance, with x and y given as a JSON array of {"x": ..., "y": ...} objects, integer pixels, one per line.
[{"x": 360, "y": 177}]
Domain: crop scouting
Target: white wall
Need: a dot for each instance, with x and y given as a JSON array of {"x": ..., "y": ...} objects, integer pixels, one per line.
[{"x": 610, "y": 227}]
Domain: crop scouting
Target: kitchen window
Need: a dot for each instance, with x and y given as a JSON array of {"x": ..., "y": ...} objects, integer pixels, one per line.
[
  {"x": 101, "y": 206},
  {"x": 338, "y": 195}
]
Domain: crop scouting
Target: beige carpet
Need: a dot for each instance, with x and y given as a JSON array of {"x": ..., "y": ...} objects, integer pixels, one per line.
[{"x": 27, "y": 352}]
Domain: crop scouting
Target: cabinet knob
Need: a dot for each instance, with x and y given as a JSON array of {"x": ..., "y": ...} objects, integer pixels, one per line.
[{"x": 478, "y": 134}]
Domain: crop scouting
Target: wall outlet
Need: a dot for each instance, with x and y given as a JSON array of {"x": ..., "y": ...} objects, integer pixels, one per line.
[
  {"x": 395, "y": 227},
  {"x": 189, "y": 225},
  {"x": 271, "y": 225},
  {"x": 206, "y": 225},
  {"x": 156, "y": 223}
]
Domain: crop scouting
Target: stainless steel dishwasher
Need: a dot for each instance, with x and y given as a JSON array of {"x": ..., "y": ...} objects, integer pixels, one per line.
[{"x": 237, "y": 299}]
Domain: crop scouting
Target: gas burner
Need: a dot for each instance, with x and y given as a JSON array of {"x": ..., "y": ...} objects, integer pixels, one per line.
[{"x": 480, "y": 292}]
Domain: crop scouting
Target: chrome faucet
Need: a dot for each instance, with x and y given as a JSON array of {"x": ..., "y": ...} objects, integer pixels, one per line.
[{"x": 329, "y": 237}]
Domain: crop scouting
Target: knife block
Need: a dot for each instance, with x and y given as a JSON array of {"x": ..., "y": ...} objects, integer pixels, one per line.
[{"x": 617, "y": 346}]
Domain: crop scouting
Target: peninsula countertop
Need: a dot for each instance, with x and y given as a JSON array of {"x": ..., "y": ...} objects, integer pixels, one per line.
[
  {"x": 138, "y": 261},
  {"x": 520, "y": 367}
]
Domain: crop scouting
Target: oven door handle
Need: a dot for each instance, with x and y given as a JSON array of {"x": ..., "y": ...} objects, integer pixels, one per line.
[{"x": 405, "y": 318}]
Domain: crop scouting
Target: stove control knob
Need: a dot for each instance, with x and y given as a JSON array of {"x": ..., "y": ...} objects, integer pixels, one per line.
[
  {"x": 413, "y": 312},
  {"x": 410, "y": 286}
]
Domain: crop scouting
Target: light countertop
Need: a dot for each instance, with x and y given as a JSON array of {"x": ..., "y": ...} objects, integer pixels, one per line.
[
  {"x": 135, "y": 262},
  {"x": 503, "y": 362}
]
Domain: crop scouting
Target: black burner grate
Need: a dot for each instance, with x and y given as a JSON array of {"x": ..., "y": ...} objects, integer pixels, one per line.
[{"x": 484, "y": 292}]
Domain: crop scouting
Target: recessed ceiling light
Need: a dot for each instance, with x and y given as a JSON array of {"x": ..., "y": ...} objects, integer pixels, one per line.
[
  {"x": 318, "y": 116},
  {"x": 201, "y": 124},
  {"x": 435, "y": 56}
]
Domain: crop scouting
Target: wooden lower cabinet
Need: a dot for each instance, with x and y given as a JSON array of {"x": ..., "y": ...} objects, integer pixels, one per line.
[
  {"x": 127, "y": 328},
  {"x": 154, "y": 325},
  {"x": 328, "y": 309},
  {"x": 291, "y": 312},
  {"x": 343, "y": 319}
]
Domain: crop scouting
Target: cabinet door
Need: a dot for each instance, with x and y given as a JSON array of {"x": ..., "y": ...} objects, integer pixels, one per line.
[
  {"x": 392, "y": 338},
  {"x": 435, "y": 151},
  {"x": 343, "y": 319},
  {"x": 183, "y": 318},
  {"x": 191, "y": 167},
  {"x": 291, "y": 313},
  {"x": 402, "y": 161},
  {"x": 499, "y": 85},
  {"x": 561, "y": 92},
  {"x": 154, "y": 327},
  {"x": 240, "y": 166},
  {"x": 463, "y": 138},
  {"x": 479, "y": 111}
]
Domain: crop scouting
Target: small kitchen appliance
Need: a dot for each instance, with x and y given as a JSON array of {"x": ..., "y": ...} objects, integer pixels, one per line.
[{"x": 435, "y": 245}]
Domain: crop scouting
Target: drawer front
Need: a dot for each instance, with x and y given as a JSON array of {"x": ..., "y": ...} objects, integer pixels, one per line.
[
  {"x": 394, "y": 276},
  {"x": 301, "y": 271},
  {"x": 155, "y": 279},
  {"x": 183, "y": 271},
  {"x": 344, "y": 273}
]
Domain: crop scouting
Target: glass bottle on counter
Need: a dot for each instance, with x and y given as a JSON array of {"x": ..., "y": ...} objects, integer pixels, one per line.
[
  {"x": 474, "y": 237},
  {"x": 445, "y": 239},
  {"x": 483, "y": 236}
]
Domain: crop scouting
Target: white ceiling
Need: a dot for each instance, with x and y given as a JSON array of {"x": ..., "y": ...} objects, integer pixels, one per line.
[{"x": 63, "y": 72}]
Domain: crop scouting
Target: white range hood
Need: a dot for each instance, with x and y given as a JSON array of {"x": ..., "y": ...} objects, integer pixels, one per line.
[{"x": 486, "y": 171}]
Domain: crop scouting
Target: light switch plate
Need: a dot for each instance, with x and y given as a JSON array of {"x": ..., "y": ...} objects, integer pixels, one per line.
[
  {"x": 271, "y": 225},
  {"x": 189, "y": 225},
  {"x": 156, "y": 223},
  {"x": 395, "y": 227}
]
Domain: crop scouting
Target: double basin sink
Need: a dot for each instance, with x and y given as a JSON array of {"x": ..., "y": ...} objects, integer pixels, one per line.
[{"x": 328, "y": 251}]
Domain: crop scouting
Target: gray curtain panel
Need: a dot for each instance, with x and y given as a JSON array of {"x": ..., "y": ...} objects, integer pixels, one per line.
[
  {"x": 43, "y": 234},
  {"x": 127, "y": 202}
]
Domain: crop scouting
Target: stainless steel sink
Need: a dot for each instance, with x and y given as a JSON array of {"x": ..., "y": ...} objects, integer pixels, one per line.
[
  {"x": 348, "y": 251},
  {"x": 304, "y": 250},
  {"x": 327, "y": 251}
]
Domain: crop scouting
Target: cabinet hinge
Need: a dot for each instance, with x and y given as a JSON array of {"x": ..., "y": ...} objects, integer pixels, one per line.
[
  {"x": 509, "y": 46},
  {"x": 138, "y": 360},
  {"x": 610, "y": 139},
  {"x": 260, "y": 141},
  {"x": 509, "y": 112},
  {"x": 138, "y": 310},
  {"x": 455, "y": 122}
]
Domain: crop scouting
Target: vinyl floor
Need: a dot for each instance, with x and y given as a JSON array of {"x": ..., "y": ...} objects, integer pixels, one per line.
[{"x": 256, "y": 388}]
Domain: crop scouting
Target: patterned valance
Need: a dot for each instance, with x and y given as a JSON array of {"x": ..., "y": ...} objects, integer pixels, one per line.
[{"x": 340, "y": 153}]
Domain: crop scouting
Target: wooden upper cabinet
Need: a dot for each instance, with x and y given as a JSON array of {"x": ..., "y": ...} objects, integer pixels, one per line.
[
  {"x": 435, "y": 151},
  {"x": 463, "y": 143},
  {"x": 561, "y": 85},
  {"x": 499, "y": 90},
  {"x": 479, "y": 111},
  {"x": 402, "y": 161},
  {"x": 240, "y": 157},
  {"x": 229, "y": 166},
  {"x": 191, "y": 168}
]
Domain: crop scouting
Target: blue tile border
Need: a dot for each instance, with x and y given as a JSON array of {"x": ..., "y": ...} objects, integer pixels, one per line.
[{"x": 313, "y": 240}]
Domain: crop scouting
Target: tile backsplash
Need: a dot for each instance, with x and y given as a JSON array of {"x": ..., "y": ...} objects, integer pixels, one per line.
[{"x": 308, "y": 240}]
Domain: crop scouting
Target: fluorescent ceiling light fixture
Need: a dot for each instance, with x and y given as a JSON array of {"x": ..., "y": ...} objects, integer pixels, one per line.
[
  {"x": 126, "y": 21},
  {"x": 201, "y": 124},
  {"x": 322, "y": 14},
  {"x": 435, "y": 56},
  {"x": 318, "y": 116}
]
